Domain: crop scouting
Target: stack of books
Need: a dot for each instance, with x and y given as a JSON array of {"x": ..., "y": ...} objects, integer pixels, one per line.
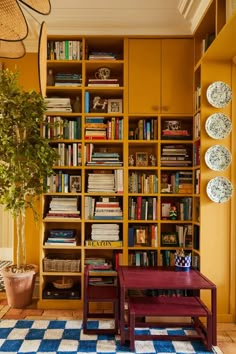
[
  {"x": 61, "y": 237},
  {"x": 63, "y": 207},
  {"x": 67, "y": 79},
  {"x": 105, "y": 232},
  {"x": 175, "y": 155},
  {"x": 57, "y": 104},
  {"x": 103, "y": 82},
  {"x": 108, "y": 210},
  {"x": 101, "y": 182},
  {"x": 102, "y": 56},
  {"x": 104, "y": 158}
]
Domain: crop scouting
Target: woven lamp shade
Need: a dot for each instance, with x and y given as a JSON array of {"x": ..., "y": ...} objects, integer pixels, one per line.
[
  {"x": 12, "y": 50},
  {"x": 41, "y": 6},
  {"x": 12, "y": 21}
]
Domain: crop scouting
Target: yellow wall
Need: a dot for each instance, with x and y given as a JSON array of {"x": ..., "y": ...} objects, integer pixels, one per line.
[{"x": 28, "y": 77}]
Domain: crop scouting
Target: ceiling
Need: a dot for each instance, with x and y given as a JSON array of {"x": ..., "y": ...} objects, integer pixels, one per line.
[{"x": 118, "y": 17}]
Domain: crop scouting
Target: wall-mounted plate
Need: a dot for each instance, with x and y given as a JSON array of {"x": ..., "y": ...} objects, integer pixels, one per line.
[
  {"x": 219, "y": 189},
  {"x": 218, "y": 158},
  {"x": 219, "y": 94},
  {"x": 218, "y": 126}
]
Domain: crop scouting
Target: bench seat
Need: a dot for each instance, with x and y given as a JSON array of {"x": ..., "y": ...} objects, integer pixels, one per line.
[{"x": 164, "y": 306}]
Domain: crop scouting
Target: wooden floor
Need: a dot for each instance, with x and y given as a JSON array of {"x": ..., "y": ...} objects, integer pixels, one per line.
[{"x": 226, "y": 332}]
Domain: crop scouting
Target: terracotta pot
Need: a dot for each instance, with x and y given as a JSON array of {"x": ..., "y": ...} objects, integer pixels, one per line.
[{"x": 19, "y": 286}]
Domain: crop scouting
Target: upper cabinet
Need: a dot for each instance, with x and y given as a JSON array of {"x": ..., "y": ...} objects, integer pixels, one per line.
[
  {"x": 160, "y": 76},
  {"x": 211, "y": 24}
]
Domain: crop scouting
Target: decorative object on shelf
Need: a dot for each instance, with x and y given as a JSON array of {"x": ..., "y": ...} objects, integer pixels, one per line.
[
  {"x": 131, "y": 160},
  {"x": 141, "y": 237},
  {"x": 182, "y": 261},
  {"x": 173, "y": 212},
  {"x": 218, "y": 158},
  {"x": 172, "y": 125},
  {"x": 114, "y": 105},
  {"x": 219, "y": 94},
  {"x": 218, "y": 126},
  {"x": 152, "y": 160},
  {"x": 50, "y": 78},
  {"x": 169, "y": 239},
  {"x": 75, "y": 184},
  {"x": 99, "y": 104},
  {"x": 219, "y": 189},
  {"x": 141, "y": 159},
  {"x": 14, "y": 27},
  {"x": 77, "y": 105},
  {"x": 103, "y": 73}
]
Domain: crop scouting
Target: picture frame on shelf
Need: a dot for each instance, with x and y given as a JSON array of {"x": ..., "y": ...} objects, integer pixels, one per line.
[
  {"x": 114, "y": 105},
  {"x": 141, "y": 237},
  {"x": 141, "y": 159},
  {"x": 169, "y": 239},
  {"x": 75, "y": 184}
]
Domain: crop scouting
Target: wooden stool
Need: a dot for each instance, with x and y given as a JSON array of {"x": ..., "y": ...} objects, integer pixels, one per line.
[{"x": 101, "y": 293}]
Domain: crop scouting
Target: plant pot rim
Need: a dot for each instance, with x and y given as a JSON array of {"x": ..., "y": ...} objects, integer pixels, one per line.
[{"x": 7, "y": 272}]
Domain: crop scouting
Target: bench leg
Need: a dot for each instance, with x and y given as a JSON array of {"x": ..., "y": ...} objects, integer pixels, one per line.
[
  {"x": 209, "y": 332},
  {"x": 131, "y": 330}
]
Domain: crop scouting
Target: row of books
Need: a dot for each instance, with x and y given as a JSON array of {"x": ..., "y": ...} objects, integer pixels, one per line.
[
  {"x": 104, "y": 208},
  {"x": 64, "y": 129},
  {"x": 62, "y": 182},
  {"x": 177, "y": 182},
  {"x": 140, "y": 182},
  {"x": 67, "y": 79},
  {"x": 58, "y": 104},
  {"x": 183, "y": 208},
  {"x": 69, "y": 154},
  {"x": 142, "y": 258},
  {"x": 64, "y": 50},
  {"x": 145, "y": 129},
  {"x": 96, "y": 128},
  {"x": 142, "y": 208}
]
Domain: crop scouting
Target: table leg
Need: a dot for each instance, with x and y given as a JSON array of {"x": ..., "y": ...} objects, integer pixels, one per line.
[
  {"x": 122, "y": 315},
  {"x": 213, "y": 310}
]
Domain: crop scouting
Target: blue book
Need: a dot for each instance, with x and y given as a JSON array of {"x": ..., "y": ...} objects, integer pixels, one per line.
[{"x": 87, "y": 99}]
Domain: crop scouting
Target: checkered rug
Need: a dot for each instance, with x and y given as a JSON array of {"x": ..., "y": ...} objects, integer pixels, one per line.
[{"x": 67, "y": 337}]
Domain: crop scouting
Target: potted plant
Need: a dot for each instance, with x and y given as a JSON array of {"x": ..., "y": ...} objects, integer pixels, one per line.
[{"x": 26, "y": 159}]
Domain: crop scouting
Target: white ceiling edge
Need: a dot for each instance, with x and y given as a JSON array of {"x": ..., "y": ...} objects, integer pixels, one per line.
[{"x": 191, "y": 11}]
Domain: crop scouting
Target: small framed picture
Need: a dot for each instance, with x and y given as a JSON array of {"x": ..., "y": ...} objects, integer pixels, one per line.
[
  {"x": 141, "y": 237},
  {"x": 114, "y": 105},
  {"x": 169, "y": 239},
  {"x": 75, "y": 184},
  {"x": 141, "y": 159}
]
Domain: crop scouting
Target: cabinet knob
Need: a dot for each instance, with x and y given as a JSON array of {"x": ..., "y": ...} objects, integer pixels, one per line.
[
  {"x": 164, "y": 108},
  {"x": 155, "y": 108}
]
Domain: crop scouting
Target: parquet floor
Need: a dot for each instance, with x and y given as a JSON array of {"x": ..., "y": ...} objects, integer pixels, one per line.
[{"x": 226, "y": 332}]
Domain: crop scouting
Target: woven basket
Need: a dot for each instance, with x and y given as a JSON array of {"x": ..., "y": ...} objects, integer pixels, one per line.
[{"x": 61, "y": 263}]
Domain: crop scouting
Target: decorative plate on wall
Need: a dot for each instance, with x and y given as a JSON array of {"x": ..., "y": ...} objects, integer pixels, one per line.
[
  {"x": 218, "y": 126},
  {"x": 219, "y": 94},
  {"x": 219, "y": 189},
  {"x": 218, "y": 158}
]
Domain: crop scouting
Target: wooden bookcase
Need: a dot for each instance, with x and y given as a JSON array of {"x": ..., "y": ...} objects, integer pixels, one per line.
[{"x": 144, "y": 129}]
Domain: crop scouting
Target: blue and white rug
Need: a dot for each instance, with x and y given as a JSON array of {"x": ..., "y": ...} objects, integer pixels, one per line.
[{"x": 67, "y": 337}]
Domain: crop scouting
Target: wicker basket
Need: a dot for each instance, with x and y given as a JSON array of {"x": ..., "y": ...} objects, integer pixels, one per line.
[
  {"x": 61, "y": 263},
  {"x": 64, "y": 283}
]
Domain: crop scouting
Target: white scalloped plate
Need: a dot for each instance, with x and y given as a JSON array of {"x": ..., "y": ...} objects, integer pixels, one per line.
[
  {"x": 219, "y": 94},
  {"x": 219, "y": 189},
  {"x": 218, "y": 126},
  {"x": 218, "y": 158}
]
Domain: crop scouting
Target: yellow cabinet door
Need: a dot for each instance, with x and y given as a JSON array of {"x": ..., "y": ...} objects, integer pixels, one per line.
[
  {"x": 160, "y": 76},
  {"x": 177, "y": 76},
  {"x": 144, "y": 76}
]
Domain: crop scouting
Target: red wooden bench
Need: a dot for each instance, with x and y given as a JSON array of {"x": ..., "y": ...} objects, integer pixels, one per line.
[{"x": 166, "y": 306}]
